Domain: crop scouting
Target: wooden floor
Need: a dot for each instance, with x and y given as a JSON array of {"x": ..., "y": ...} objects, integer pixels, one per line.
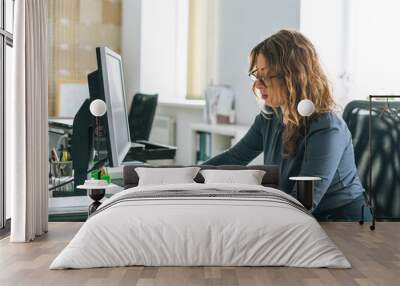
[{"x": 375, "y": 256}]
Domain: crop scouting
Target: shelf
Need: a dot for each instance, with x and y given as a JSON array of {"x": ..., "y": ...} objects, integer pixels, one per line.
[
  {"x": 221, "y": 129},
  {"x": 219, "y": 137},
  {"x": 183, "y": 103}
]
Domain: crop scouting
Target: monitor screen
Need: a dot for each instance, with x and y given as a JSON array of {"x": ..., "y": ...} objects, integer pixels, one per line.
[{"x": 110, "y": 68}]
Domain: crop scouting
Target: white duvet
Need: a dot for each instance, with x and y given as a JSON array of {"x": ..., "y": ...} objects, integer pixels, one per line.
[{"x": 200, "y": 231}]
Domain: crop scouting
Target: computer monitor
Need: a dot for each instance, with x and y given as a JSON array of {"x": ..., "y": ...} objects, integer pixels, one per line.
[
  {"x": 112, "y": 139},
  {"x": 107, "y": 83}
]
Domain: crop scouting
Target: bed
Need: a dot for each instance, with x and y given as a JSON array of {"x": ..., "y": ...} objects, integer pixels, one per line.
[{"x": 201, "y": 224}]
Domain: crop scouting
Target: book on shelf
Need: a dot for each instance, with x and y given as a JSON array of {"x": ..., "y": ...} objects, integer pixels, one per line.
[{"x": 203, "y": 146}]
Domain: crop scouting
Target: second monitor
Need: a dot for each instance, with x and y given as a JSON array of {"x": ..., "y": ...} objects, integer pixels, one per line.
[{"x": 107, "y": 84}]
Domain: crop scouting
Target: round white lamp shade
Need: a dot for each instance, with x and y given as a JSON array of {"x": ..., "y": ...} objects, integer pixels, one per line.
[
  {"x": 305, "y": 107},
  {"x": 98, "y": 107}
]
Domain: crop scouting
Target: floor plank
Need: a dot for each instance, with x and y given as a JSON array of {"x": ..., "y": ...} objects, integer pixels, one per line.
[{"x": 374, "y": 255}]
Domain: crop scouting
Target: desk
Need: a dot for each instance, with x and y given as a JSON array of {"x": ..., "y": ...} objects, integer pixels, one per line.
[
  {"x": 61, "y": 121},
  {"x": 60, "y": 125}
]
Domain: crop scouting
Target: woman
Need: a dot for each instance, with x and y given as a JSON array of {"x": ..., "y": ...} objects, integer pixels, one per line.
[{"x": 285, "y": 69}]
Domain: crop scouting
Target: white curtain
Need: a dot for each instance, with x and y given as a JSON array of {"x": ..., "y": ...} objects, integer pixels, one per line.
[{"x": 26, "y": 119}]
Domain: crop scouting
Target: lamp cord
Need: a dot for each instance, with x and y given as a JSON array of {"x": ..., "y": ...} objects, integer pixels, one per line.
[
  {"x": 96, "y": 134},
  {"x": 305, "y": 139}
]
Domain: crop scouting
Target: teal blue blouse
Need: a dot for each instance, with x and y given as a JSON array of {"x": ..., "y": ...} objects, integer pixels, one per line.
[{"x": 330, "y": 156}]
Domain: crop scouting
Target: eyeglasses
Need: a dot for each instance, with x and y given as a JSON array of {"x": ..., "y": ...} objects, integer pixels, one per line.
[{"x": 263, "y": 79}]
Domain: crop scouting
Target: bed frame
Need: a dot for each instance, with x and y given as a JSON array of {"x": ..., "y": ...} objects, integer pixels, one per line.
[{"x": 270, "y": 179}]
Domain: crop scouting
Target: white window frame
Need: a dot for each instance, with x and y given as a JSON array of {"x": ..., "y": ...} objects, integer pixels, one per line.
[{"x": 6, "y": 39}]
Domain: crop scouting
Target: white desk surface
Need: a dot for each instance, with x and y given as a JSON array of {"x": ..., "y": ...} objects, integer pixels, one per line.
[{"x": 61, "y": 120}]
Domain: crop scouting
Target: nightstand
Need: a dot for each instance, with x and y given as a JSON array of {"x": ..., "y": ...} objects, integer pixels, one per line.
[{"x": 96, "y": 193}]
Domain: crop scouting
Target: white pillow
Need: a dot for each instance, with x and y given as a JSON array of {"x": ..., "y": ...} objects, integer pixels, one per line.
[
  {"x": 249, "y": 177},
  {"x": 164, "y": 176}
]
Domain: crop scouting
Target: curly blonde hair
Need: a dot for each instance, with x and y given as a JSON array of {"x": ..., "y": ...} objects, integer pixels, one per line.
[{"x": 291, "y": 55}]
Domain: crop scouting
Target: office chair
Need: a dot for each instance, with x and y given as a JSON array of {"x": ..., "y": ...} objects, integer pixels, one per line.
[
  {"x": 385, "y": 152},
  {"x": 141, "y": 115}
]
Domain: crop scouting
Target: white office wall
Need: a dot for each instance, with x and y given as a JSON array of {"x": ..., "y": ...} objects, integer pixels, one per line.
[
  {"x": 243, "y": 24},
  {"x": 131, "y": 18}
]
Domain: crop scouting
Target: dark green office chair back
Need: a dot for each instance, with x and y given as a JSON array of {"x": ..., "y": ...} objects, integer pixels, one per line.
[
  {"x": 141, "y": 115},
  {"x": 385, "y": 150}
]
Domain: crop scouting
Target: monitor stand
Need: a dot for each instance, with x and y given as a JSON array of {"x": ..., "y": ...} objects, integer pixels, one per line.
[
  {"x": 133, "y": 149},
  {"x": 143, "y": 151},
  {"x": 135, "y": 145}
]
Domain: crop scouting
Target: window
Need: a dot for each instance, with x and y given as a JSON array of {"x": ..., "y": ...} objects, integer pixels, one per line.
[
  {"x": 163, "y": 51},
  {"x": 6, "y": 44},
  {"x": 325, "y": 23},
  {"x": 357, "y": 43},
  {"x": 374, "y": 47},
  {"x": 177, "y": 58},
  {"x": 9, "y": 15}
]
